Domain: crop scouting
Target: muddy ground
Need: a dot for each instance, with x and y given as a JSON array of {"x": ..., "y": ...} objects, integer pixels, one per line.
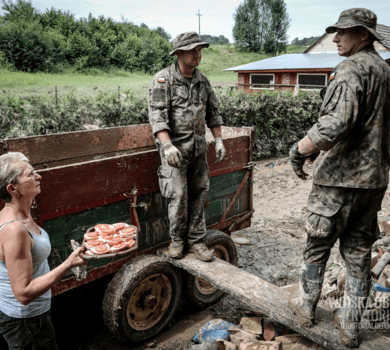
[{"x": 274, "y": 254}]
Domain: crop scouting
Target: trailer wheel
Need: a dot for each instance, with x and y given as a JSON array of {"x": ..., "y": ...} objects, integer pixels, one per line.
[
  {"x": 141, "y": 298},
  {"x": 198, "y": 290}
]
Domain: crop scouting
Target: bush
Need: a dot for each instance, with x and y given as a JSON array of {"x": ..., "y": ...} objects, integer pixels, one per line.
[{"x": 281, "y": 118}]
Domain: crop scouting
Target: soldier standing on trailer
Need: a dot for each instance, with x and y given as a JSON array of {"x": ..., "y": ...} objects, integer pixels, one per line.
[
  {"x": 181, "y": 103},
  {"x": 351, "y": 173}
]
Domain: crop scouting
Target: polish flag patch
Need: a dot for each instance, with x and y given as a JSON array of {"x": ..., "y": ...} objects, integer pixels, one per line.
[
  {"x": 161, "y": 80},
  {"x": 332, "y": 76}
]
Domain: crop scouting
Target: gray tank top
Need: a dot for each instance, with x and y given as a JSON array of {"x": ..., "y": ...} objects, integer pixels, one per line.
[{"x": 8, "y": 303}]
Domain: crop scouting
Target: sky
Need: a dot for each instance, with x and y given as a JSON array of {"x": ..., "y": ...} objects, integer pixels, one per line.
[{"x": 307, "y": 17}]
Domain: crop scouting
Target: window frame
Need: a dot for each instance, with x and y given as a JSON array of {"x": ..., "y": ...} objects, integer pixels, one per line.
[
  {"x": 311, "y": 89},
  {"x": 261, "y": 88}
]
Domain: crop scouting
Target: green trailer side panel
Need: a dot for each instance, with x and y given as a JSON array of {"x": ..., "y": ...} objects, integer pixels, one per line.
[{"x": 152, "y": 211}]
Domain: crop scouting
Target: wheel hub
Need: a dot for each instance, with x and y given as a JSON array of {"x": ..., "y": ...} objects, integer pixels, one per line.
[{"x": 149, "y": 302}]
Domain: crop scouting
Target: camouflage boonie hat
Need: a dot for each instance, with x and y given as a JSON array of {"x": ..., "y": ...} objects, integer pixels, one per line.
[
  {"x": 187, "y": 41},
  {"x": 357, "y": 17}
]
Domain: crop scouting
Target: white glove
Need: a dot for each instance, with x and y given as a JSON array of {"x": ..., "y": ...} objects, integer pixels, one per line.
[
  {"x": 219, "y": 149},
  {"x": 172, "y": 154}
]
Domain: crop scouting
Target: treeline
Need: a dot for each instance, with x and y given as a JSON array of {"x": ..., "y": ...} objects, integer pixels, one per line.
[
  {"x": 305, "y": 41},
  {"x": 54, "y": 41},
  {"x": 217, "y": 40}
]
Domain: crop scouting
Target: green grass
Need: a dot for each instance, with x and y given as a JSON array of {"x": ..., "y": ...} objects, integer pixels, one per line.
[{"x": 215, "y": 59}]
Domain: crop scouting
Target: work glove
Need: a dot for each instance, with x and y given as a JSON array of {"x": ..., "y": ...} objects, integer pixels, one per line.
[
  {"x": 297, "y": 161},
  {"x": 173, "y": 155},
  {"x": 219, "y": 149}
]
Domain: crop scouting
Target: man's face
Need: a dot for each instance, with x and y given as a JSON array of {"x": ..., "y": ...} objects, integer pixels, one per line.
[
  {"x": 347, "y": 41},
  {"x": 190, "y": 58}
]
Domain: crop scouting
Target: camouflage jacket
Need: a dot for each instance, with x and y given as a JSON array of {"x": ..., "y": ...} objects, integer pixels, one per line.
[
  {"x": 183, "y": 110},
  {"x": 353, "y": 131}
]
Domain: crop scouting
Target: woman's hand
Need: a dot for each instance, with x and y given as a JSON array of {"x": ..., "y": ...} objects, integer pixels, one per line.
[{"x": 75, "y": 259}]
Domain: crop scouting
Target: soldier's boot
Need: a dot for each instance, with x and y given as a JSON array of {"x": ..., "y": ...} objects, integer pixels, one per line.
[
  {"x": 348, "y": 316},
  {"x": 201, "y": 251},
  {"x": 303, "y": 302},
  {"x": 176, "y": 249}
]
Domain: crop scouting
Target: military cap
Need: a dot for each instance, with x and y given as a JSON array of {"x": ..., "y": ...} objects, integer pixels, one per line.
[
  {"x": 356, "y": 17},
  {"x": 187, "y": 41}
]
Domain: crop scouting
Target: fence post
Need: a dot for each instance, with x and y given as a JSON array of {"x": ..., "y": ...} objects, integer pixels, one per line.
[{"x": 296, "y": 90}]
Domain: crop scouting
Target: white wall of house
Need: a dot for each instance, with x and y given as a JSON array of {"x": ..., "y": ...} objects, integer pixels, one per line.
[{"x": 326, "y": 44}]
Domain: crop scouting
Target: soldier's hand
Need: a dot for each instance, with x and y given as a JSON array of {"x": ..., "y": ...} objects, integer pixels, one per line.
[
  {"x": 297, "y": 161},
  {"x": 173, "y": 155},
  {"x": 219, "y": 149}
]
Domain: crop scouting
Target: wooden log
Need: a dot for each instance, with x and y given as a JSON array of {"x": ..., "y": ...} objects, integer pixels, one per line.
[
  {"x": 270, "y": 300},
  {"x": 382, "y": 262}
]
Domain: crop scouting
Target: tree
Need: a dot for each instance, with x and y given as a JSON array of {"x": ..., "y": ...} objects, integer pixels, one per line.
[
  {"x": 161, "y": 31},
  {"x": 261, "y": 25},
  {"x": 276, "y": 40},
  {"x": 20, "y": 11}
]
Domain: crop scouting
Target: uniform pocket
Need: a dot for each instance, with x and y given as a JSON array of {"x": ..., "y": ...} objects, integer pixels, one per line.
[
  {"x": 166, "y": 182},
  {"x": 320, "y": 220}
]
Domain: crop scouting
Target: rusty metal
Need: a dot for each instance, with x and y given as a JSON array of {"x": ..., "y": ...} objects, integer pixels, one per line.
[
  {"x": 246, "y": 216},
  {"x": 148, "y": 302},
  {"x": 239, "y": 189}
]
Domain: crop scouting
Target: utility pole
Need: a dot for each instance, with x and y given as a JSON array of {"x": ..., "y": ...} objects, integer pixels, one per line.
[{"x": 198, "y": 14}]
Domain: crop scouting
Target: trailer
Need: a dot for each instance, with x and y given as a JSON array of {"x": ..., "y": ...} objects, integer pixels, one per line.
[{"x": 110, "y": 175}]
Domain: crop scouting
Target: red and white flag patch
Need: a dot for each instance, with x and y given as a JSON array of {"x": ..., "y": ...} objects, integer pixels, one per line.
[
  {"x": 161, "y": 80},
  {"x": 332, "y": 76}
]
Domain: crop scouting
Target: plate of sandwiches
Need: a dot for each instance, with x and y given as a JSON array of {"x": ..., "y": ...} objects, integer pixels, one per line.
[{"x": 110, "y": 240}]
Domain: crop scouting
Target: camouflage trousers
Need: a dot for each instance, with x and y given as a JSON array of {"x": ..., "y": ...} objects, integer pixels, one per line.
[
  {"x": 348, "y": 214},
  {"x": 187, "y": 189}
]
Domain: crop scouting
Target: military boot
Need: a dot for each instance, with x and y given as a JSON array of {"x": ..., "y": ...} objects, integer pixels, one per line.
[
  {"x": 201, "y": 251},
  {"x": 176, "y": 249},
  {"x": 303, "y": 302},
  {"x": 348, "y": 316}
]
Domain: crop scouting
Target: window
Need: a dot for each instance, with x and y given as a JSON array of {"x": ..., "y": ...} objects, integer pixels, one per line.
[
  {"x": 306, "y": 80},
  {"x": 262, "y": 79}
]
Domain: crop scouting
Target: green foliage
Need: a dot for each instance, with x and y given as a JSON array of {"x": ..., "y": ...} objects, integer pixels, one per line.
[
  {"x": 305, "y": 41},
  {"x": 281, "y": 118},
  {"x": 261, "y": 26},
  {"x": 55, "y": 40},
  {"x": 218, "y": 40}
]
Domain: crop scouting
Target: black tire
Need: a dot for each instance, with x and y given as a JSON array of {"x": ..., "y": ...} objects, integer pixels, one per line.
[
  {"x": 142, "y": 298},
  {"x": 199, "y": 291}
]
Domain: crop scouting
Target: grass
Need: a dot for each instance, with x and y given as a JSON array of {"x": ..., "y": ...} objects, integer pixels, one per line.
[{"x": 215, "y": 59}]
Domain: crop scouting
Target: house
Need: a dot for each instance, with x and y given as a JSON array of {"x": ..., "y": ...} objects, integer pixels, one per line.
[{"x": 306, "y": 71}]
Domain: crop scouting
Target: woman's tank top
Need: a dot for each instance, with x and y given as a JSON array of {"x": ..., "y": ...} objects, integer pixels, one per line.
[{"x": 8, "y": 303}]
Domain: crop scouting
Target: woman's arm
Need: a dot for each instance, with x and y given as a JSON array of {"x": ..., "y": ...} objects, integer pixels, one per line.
[{"x": 18, "y": 259}]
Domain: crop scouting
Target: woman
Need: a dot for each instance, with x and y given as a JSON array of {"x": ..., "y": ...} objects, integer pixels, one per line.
[{"x": 25, "y": 277}]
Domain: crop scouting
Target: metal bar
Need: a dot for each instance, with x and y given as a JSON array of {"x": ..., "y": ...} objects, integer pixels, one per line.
[
  {"x": 246, "y": 216},
  {"x": 225, "y": 214},
  {"x": 228, "y": 222}
]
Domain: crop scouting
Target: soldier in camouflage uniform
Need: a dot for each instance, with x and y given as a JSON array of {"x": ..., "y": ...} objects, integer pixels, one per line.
[
  {"x": 351, "y": 139},
  {"x": 181, "y": 103}
]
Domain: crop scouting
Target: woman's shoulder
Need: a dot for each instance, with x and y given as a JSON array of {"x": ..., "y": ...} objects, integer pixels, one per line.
[{"x": 12, "y": 228}]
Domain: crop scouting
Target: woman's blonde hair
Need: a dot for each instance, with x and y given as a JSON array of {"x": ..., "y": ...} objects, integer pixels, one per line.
[{"x": 9, "y": 172}]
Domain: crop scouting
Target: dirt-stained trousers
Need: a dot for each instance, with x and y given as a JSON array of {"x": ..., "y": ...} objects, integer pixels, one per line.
[
  {"x": 187, "y": 189},
  {"x": 348, "y": 214}
]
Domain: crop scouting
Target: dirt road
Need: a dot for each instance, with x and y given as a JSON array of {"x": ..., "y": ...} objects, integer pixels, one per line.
[{"x": 274, "y": 254}]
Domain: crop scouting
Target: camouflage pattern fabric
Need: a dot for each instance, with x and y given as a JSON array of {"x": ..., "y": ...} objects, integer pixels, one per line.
[
  {"x": 356, "y": 17},
  {"x": 183, "y": 110},
  {"x": 353, "y": 131},
  {"x": 187, "y": 188},
  {"x": 348, "y": 214},
  {"x": 187, "y": 41}
]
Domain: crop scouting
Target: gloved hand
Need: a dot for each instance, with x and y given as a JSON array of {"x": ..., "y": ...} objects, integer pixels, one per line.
[
  {"x": 219, "y": 149},
  {"x": 297, "y": 161},
  {"x": 172, "y": 154}
]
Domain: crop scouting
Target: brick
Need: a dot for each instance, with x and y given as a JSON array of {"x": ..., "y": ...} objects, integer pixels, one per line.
[
  {"x": 252, "y": 325},
  {"x": 238, "y": 336},
  {"x": 261, "y": 345},
  {"x": 289, "y": 340}
]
